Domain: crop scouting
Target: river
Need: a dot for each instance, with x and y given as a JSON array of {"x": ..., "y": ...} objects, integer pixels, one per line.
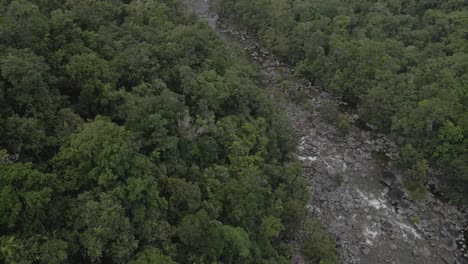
[{"x": 356, "y": 192}]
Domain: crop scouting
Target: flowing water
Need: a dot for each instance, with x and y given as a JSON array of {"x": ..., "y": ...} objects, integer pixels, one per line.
[{"x": 371, "y": 221}]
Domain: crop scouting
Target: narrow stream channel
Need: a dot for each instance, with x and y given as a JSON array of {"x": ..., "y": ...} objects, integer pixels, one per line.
[{"x": 369, "y": 213}]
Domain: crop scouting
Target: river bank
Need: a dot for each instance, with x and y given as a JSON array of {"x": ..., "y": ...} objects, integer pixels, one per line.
[{"x": 356, "y": 192}]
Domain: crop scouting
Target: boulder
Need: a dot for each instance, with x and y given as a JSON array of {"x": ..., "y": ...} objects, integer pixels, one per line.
[
  {"x": 387, "y": 226},
  {"x": 463, "y": 260},
  {"x": 403, "y": 204},
  {"x": 448, "y": 243},
  {"x": 396, "y": 195},
  {"x": 329, "y": 185},
  {"x": 389, "y": 178}
]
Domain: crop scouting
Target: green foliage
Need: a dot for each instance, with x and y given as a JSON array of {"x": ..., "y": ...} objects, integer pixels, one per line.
[
  {"x": 104, "y": 229},
  {"x": 319, "y": 247},
  {"x": 344, "y": 126},
  {"x": 417, "y": 180},
  {"x": 271, "y": 226},
  {"x": 93, "y": 78},
  {"x": 140, "y": 140},
  {"x": 24, "y": 134},
  {"x": 3, "y": 155},
  {"x": 449, "y": 136},
  {"x": 35, "y": 249},
  {"x": 27, "y": 75},
  {"x": 26, "y": 195},
  {"x": 150, "y": 256},
  {"x": 404, "y": 63},
  {"x": 100, "y": 155}
]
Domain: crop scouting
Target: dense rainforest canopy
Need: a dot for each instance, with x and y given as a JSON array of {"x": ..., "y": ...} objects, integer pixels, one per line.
[
  {"x": 404, "y": 62},
  {"x": 129, "y": 134}
]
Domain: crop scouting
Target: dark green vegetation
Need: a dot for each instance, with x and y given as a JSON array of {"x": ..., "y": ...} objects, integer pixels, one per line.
[
  {"x": 404, "y": 62},
  {"x": 140, "y": 140},
  {"x": 318, "y": 246}
]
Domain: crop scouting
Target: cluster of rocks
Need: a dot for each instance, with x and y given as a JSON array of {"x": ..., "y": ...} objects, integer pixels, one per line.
[
  {"x": 357, "y": 196},
  {"x": 432, "y": 218},
  {"x": 429, "y": 230}
]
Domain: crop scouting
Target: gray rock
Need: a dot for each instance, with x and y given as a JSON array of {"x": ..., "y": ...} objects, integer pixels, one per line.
[
  {"x": 444, "y": 232},
  {"x": 403, "y": 204},
  {"x": 446, "y": 226},
  {"x": 329, "y": 184},
  {"x": 349, "y": 159},
  {"x": 425, "y": 252},
  {"x": 366, "y": 251},
  {"x": 455, "y": 234},
  {"x": 463, "y": 260},
  {"x": 354, "y": 250},
  {"x": 387, "y": 226},
  {"x": 448, "y": 243},
  {"x": 396, "y": 195},
  {"x": 389, "y": 178}
]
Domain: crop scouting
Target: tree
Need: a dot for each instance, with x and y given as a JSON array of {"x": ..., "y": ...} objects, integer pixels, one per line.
[
  {"x": 149, "y": 140},
  {"x": 417, "y": 179},
  {"x": 104, "y": 230},
  {"x": 237, "y": 247},
  {"x": 201, "y": 236},
  {"x": 151, "y": 255},
  {"x": 102, "y": 157},
  {"x": 35, "y": 249},
  {"x": 25, "y": 135},
  {"x": 90, "y": 14},
  {"x": 24, "y": 26},
  {"x": 93, "y": 78},
  {"x": 319, "y": 246},
  {"x": 26, "y": 195},
  {"x": 27, "y": 74},
  {"x": 449, "y": 136},
  {"x": 102, "y": 154},
  {"x": 184, "y": 198}
]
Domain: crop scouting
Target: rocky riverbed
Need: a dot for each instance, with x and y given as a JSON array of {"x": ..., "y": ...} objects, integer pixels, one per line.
[{"x": 356, "y": 192}]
